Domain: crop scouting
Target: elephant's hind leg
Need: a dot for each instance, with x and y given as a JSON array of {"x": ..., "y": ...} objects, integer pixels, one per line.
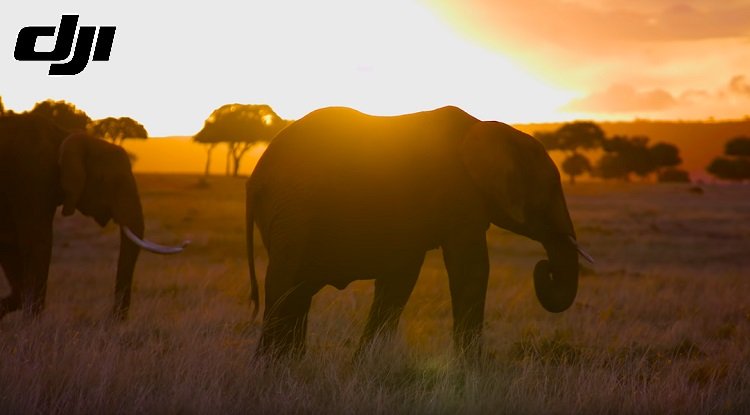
[
  {"x": 285, "y": 316},
  {"x": 392, "y": 291}
]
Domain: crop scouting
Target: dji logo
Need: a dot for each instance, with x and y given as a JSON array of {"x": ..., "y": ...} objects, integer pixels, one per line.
[{"x": 64, "y": 44}]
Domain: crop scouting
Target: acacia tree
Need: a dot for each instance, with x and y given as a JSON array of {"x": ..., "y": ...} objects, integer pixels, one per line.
[
  {"x": 738, "y": 146},
  {"x": 666, "y": 158},
  {"x": 240, "y": 126},
  {"x": 624, "y": 156},
  {"x": 735, "y": 164},
  {"x": 62, "y": 113},
  {"x": 664, "y": 155},
  {"x": 571, "y": 137},
  {"x": 575, "y": 165},
  {"x": 118, "y": 129}
]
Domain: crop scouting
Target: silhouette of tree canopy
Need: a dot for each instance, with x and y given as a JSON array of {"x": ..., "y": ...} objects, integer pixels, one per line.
[
  {"x": 735, "y": 169},
  {"x": 735, "y": 165},
  {"x": 118, "y": 129},
  {"x": 580, "y": 134},
  {"x": 62, "y": 113},
  {"x": 665, "y": 155},
  {"x": 571, "y": 137},
  {"x": 240, "y": 126},
  {"x": 625, "y": 156},
  {"x": 575, "y": 165},
  {"x": 548, "y": 139},
  {"x": 738, "y": 146}
]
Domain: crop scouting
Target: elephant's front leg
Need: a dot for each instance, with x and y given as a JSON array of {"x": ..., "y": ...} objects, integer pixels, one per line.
[
  {"x": 392, "y": 291},
  {"x": 35, "y": 243},
  {"x": 467, "y": 262}
]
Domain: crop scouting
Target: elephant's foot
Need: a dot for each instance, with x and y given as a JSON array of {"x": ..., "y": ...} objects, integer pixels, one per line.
[
  {"x": 281, "y": 344},
  {"x": 468, "y": 346},
  {"x": 120, "y": 313},
  {"x": 266, "y": 353},
  {"x": 373, "y": 343},
  {"x": 32, "y": 308},
  {"x": 8, "y": 305}
]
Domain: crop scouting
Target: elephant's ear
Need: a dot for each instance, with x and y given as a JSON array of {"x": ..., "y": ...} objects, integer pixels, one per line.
[
  {"x": 494, "y": 165},
  {"x": 72, "y": 170}
]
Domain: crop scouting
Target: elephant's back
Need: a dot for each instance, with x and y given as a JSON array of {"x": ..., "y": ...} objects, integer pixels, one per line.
[
  {"x": 340, "y": 141},
  {"x": 361, "y": 179},
  {"x": 340, "y": 150}
]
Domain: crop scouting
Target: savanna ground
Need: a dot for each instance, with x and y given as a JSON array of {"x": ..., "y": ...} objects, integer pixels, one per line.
[{"x": 661, "y": 323}]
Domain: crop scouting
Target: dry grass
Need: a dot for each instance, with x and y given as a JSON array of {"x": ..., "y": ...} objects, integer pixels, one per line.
[{"x": 661, "y": 324}]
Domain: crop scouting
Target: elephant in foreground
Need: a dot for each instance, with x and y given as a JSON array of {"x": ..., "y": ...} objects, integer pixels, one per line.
[
  {"x": 340, "y": 196},
  {"x": 42, "y": 167}
]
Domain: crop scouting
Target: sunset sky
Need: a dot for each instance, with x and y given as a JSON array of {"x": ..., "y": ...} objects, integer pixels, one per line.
[{"x": 172, "y": 63}]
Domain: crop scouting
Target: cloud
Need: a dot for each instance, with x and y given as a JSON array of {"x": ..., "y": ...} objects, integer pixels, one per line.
[
  {"x": 597, "y": 24},
  {"x": 739, "y": 85},
  {"x": 730, "y": 100},
  {"x": 622, "y": 98}
]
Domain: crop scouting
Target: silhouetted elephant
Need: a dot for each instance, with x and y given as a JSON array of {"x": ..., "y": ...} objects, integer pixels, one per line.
[
  {"x": 340, "y": 196},
  {"x": 39, "y": 170}
]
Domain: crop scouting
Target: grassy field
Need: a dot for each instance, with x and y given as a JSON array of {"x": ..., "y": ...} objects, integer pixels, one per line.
[{"x": 661, "y": 323}]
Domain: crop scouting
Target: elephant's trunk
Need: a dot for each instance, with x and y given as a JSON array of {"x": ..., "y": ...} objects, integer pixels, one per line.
[
  {"x": 129, "y": 215},
  {"x": 126, "y": 262},
  {"x": 556, "y": 279}
]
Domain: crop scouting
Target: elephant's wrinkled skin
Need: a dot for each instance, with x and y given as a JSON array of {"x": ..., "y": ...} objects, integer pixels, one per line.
[
  {"x": 340, "y": 196},
  {"x": 42, "y": 167}
]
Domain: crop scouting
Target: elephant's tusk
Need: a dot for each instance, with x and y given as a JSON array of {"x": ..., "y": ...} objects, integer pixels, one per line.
[
  {"x": 153, "y": 247},
  {"x": 580, "y": 250}
]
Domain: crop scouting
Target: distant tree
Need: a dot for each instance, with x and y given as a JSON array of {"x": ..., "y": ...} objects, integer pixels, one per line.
[
  {"x": 665, "y": 158},
  {"x": 2, "y": 107},
  {"x": 735, "y": 164},
  {"x": 612, "y": 166},
  {"x": 579, "y": 135},
  {"x": 118, "y": 129},
  {"x": 570, "y": 138},
  {"x": 575, "y": 165},
  {"x": 625, "y": 156},
  {"x": 738, "y": 146},
  {"x": 735, "y": 169},
  {"x": 672, "y": 175},
  {"x": 62, "y": 113},
  {"x": 240, "y": 127},
  {"x": 548, "y": 139},
  {"x": 665, "y": 155}
]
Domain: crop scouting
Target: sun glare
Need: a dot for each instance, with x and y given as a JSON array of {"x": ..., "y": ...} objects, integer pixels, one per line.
[
  {"x": 381, "y": 57},
  {"x": 385, "y": 57}
]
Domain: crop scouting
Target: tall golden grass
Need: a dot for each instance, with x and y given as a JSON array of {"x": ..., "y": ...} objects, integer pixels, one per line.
[{"x": 661, "y": 323}]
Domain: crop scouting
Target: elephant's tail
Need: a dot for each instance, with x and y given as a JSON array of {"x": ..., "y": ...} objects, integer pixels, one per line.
[{"x": 250, "y": 224}]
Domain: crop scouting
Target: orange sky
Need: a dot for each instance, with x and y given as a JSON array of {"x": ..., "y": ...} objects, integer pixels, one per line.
[{"x": 173, "y": 62}]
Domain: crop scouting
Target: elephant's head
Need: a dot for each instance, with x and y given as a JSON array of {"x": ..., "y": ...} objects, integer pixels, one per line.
[
  {"x": 521, "y": 185},
  {"x": 97, "y": 180}
]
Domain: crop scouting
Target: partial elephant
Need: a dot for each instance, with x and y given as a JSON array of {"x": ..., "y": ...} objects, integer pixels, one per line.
[
  {"x": 340, "y": 196},
  {"x": 42, "y": 167}
]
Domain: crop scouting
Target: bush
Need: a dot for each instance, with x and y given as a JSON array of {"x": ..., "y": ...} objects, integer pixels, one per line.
[
  {"x": 737, "y": 168},
  {"x": 674, "y": 176}
]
